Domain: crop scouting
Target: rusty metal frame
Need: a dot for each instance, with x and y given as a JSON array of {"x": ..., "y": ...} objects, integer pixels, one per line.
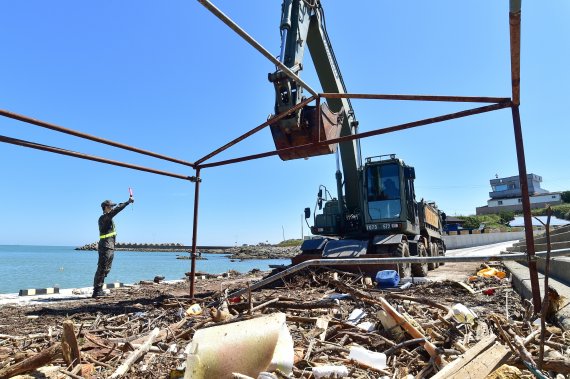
[{"x": 497, "y": 104}]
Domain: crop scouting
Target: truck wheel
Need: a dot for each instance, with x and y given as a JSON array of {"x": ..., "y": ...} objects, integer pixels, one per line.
[
  {"x": 404, "y": 269},
  {"x": 440, "y": 253},
  {"x": 420, "y": 269},
  {"x": 434, "y": 252}
]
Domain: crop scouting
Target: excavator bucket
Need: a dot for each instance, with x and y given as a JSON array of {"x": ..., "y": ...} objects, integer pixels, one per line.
[{"x": 308, "y": 131}]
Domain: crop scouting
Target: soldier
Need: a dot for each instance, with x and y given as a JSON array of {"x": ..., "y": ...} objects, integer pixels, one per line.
[{"x": 106, "y": 246}]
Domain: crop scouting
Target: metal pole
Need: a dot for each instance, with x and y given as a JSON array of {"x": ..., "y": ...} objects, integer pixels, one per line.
[
  {"x": 379, "y": 261},
  {"x": 75, "y": 133},
  {"x": 74, "y": 154},
  {"x": 455, "y": 99},
  {"x": 515, "y": 34},
  {"x": 194, "y": 233},
  {"x": 254, "y": 130},
  {"x": 243, "y": 34},
  {"x": 526, "y": 210},
  {"x": 409, "y": 125}
]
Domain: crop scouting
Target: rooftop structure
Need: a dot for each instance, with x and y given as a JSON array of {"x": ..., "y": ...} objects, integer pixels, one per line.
[{"x": 506, "y": 195}]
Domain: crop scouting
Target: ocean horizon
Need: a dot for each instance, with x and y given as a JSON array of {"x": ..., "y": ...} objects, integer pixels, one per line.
[{"x": 37, "y": 266}]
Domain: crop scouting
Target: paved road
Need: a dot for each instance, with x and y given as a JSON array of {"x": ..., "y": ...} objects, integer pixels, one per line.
[
  {"x": 461, "y": 270},
  {"x": 494, "y": 249}
]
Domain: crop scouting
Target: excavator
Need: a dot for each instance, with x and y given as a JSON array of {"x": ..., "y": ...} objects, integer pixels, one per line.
[{"x": 375, "y": 213}]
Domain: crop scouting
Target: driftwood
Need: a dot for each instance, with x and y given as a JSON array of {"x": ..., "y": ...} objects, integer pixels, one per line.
[
  {"x": 69, "y": 345},
  {"x": 458, "y": 366},
  {"x": 408, "y": 327},
  {"x": 421, "y": 300},
  {"x": 135, "y": 355},
  {"x": 117, "y": 338},
  {"x": 41, "y": 359}
]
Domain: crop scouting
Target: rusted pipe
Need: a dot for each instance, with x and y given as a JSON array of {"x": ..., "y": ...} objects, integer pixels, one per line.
[
  {"x": 526, "y": 210},
  {"x": 255, "y": 130},
  {"x": 447, "y": 117},
  {"x": 75, "y": 133},
  {"x": 243, "y": 34},
  {"x": 70, "y": 153},
  {"x": 356, "y": 262},
  {"x": 515, "y": 36},
  {"x": 456, "y": 99},
  {"x": 195, "y": 233}
]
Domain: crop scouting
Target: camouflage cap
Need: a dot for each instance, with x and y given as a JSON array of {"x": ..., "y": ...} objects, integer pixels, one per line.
[{"x": 107, "y": 203}]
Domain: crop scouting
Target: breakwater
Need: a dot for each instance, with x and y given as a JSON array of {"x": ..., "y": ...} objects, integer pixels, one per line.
[
  {"x": 236, "y": 252},
  {"x": 157, "y": 247}
]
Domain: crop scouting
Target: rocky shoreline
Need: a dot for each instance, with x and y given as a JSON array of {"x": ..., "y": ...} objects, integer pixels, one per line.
[{"x": 237, "y": 253}]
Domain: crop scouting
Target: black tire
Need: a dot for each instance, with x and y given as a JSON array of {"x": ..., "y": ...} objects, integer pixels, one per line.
[
  {"x": 420, "y": 269},
  {"x": 440, "y": 253},
  {"x": 434, "y": 251},
  {"x": 404, "y": 269}
]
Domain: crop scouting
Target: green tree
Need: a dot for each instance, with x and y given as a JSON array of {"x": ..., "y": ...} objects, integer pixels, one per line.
[
  {"x": 471, "y": 222},
  {"x": 506, "y": 217},
  {"x": 565, "y": 196}
]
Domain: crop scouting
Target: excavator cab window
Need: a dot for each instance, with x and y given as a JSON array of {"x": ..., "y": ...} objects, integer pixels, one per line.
[{"x": 383, "y": 191}]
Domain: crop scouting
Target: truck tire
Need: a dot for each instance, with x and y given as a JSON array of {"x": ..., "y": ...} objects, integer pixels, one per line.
[
  {"x": 420, "y": 269},
  {"x": 404, "y": 269},
  {"x": 434, "y": 252},
  {"x": 440, "y": 253}
]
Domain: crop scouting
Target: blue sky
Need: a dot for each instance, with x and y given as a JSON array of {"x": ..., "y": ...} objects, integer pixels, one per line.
[{"x": 171, "y": 78}]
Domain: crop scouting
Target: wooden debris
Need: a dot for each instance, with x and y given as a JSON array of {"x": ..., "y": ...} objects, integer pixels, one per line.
[
  {"x": 41, "y": 359},
  {"x": 69, "y": 345},
  {"x": 144, "y": 331},
  {"x": 135, "y": 355}
]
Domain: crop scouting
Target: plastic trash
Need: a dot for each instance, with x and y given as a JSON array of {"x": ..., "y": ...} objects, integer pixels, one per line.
[
  {"x": 366, "y": 326},
  {"x": 330, "y": 372},
  {"x": 463, "y": 314},
  {"x": 390, "y": 325},
  {"x": 405, "y": 286},
  {"x": 356, "y": 316},
  {"x": 367, "y": 357},
  {"x": 387, "y": 278},
  {"x": 491, "y": 272},
  {"x": 194, "y": 310},
  {"x": 248, "y": 347}
]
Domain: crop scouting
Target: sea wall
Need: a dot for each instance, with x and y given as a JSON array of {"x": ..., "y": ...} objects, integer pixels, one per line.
[{"x": 470, "y": 240}]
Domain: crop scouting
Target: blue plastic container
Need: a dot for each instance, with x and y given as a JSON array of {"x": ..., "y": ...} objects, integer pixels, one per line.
[{"x": 387, "y": 278}]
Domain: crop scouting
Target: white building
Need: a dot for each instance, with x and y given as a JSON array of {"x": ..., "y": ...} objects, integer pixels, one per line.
[{"x": 506, "y": 195}]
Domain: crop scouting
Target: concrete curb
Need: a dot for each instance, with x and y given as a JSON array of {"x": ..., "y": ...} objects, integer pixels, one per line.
[
  {"x": 112, "y": 285},
  {"x": 521, "y": 284},
  {"x": 38, "y": 291},
  {"x": 55, "y": 290}
]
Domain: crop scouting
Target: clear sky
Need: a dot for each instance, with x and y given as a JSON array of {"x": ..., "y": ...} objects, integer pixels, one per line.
[{"x": 171, "y": 78}]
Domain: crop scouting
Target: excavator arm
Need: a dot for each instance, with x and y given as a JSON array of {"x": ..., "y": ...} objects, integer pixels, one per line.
[{"x": 303, "y": 24}]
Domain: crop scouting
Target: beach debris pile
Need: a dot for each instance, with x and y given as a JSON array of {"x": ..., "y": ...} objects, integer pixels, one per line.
[{"x": 314, "y": 324}]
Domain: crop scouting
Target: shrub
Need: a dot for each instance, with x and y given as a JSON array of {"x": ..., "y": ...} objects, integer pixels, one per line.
[
  {"x": 565, "y": 196},
  {"x": 471, "y": 222},
  {"x": 506, "y": 216}
]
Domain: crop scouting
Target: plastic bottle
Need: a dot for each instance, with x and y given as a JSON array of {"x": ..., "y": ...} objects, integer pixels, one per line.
[{"x": 367, "y": 357}]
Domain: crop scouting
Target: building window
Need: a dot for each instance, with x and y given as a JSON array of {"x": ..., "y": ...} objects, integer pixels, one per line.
[
  {"x": 500, "y": 202},
  {"x": 500, "y": 187},
  {"x": 554, "y": 197},
  {"x": 520, "y": 200}
]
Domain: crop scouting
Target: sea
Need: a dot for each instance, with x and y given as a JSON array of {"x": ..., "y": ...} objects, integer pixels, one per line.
[{"x": 27, "y": 267}]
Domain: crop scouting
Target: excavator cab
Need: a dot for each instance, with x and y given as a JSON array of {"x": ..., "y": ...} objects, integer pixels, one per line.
[{"x": 389, "y": 195}]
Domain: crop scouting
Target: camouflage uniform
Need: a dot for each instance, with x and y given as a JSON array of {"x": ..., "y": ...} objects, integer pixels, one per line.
[{"x": 106, "y": 246}]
